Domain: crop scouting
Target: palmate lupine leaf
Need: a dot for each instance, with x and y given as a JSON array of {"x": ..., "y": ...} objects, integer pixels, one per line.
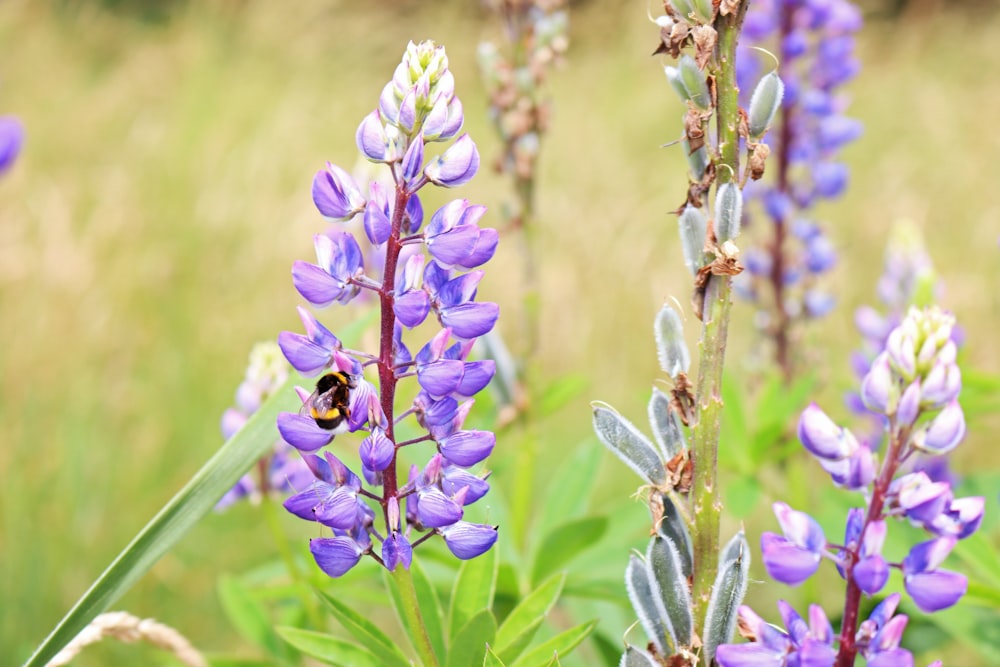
[{"x": 177, "y": 517}]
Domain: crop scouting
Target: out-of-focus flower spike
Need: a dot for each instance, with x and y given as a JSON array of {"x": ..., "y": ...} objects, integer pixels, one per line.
[
  {"x": 728, "y": 211},
  {"x": 671, "y": 347},
  {"x": 764, "y": 104},
  {"x": 11, "y": 140}
]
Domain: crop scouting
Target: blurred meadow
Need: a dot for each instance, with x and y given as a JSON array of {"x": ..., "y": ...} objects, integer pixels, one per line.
[{"x": 149, "y": 228}]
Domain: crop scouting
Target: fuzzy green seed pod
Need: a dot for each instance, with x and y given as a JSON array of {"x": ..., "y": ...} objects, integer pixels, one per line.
[
  {"x": 728, "y": 212},
  {"x": 693, "y": 225},
  {"x": 674, "y": 78},
  {"x": 764, "y": 104},
  {"x": 682, "y": 7},
  {"x": 694, "y": 82},
  {"x": 703, "y": 10},
  {"x": 697, "y": 161}
]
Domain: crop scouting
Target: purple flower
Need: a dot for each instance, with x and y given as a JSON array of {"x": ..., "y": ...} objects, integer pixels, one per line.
[
  {"x": 932, "y": 589},
  {"x": 468, "y": 540},
  {"x": 411, "y": 274},
  {"x": 11, "y": 140},
  {"x": 794, "y": 557}
]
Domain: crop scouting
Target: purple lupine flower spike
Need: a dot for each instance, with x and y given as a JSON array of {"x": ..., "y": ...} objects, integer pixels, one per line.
[
  {"x": 11, "y": 140},
  {"x": 413, "y": 274},
  {"x": 917, "y": 353}
]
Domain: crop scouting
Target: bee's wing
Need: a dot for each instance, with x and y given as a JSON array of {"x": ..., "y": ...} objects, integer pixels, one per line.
[{"x": 307, "y": 405}]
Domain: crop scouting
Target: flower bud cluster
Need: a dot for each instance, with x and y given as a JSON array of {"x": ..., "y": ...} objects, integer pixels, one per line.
[
  {"x": 422, "y": 271},
  {"x": 282, "y": 471},
  {"x": 908, "y": 279},
  {"x": 914, "y": 384},
  {"x": 814, "y": 44},
  {"x": 538, "y": 32}
]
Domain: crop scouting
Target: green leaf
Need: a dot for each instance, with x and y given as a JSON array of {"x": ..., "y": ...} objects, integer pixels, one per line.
[
  {"x": 473, "y": 640},
  {"x": 742, "y": 494},
  {"x": 177, "y": 517},
  {"x": 248, "y": 616},
  {"x": 982, "y": 595},
  {"x": 430, "y": 607},
  {"x": 560, "y": 645},
  {"x": 473, "y": 592},
  {"x": 517, "y": 631},
  {"x": 237, "y": 661},
  {"x": 564, "y": 543},
  {"x": 328, "y": 649},
  {"x": 560, "y": 392},
  {"x": 981, "y": 556},
  {"x": 570, "y": 487},
  {"x": 491, "y": 659},
  {"x": 366, "y": 632}
]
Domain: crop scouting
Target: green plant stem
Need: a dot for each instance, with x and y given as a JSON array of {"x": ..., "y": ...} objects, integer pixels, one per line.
[
  {"x": 309, "y": 604},
  {"x": 410, "y": 609},
  {"x": 705, "y": 503}
]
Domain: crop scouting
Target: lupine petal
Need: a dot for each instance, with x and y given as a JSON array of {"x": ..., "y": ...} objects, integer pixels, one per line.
[
  {"x": 476, "y": 376},
  {"x": 335, "y": 555},
  {"x": 467, "y": 448},
  {"x": 468, "y": 540},
  {"x": 937, "y": 590},
  {"x": 412, "y": 307},
  {"x": 301, "y": 432},
  {"x": 456, "y": 166},
  {"x": 470, "y": 320},
  {"x": 396, "y": 550},
  {"x": 437, "y": 510}
]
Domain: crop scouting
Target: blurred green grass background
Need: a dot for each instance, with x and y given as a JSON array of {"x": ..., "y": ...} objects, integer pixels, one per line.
[{"x": 149, "y": 228}]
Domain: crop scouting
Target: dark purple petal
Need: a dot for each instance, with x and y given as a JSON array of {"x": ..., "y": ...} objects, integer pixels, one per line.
[
  {"x": 335, "y": 193},
  {"x": 412, "y": 307},
  {"x": 456, "y": 166},
  {"x": 335, "y": 555},
  {"x": 928, "y": 555},
  {"x": 897, "y": 657},
  {"x": 748, "y": 655},
  {"x": 787, "y": 562},
  {"x": 453, "y": 479},
  {"x": 396, "y": 550},
  {"x": 339, "y": 509},
  {"x": 455, "y": 245},
  {"x": 486, "y": 246},
  {"x": 460, "y": 289},
  {"x": 468, "y": 540},
  {"x": 376, "y": 451},
  {"x": 937, "y": 590},
  {"x": 470, "y": 320},
  {"x": 316, "y": 285},
  {"x": 477, "y": 375},
  {"x": 871, "y": 574},
  {"x": 440, "y": 378},
  {"x": 371, "y": 137},
  {"x": 377, "y": 224},
  {"x": 301, "y": 432},
  {"x": 436, "y": 509},
  {"x": 467, "y": 448},
  {"x": 303, "y": 503}
]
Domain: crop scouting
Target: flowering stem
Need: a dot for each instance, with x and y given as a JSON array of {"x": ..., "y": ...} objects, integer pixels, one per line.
[
  {"x": 705, "y": 505},
  {"x": 386, "y": 366},
  {"x": 852, "y": 600},
  {"x": 410, "y": 608}
]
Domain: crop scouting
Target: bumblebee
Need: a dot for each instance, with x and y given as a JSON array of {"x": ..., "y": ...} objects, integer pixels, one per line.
[{"x": 329, "y": 405}]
